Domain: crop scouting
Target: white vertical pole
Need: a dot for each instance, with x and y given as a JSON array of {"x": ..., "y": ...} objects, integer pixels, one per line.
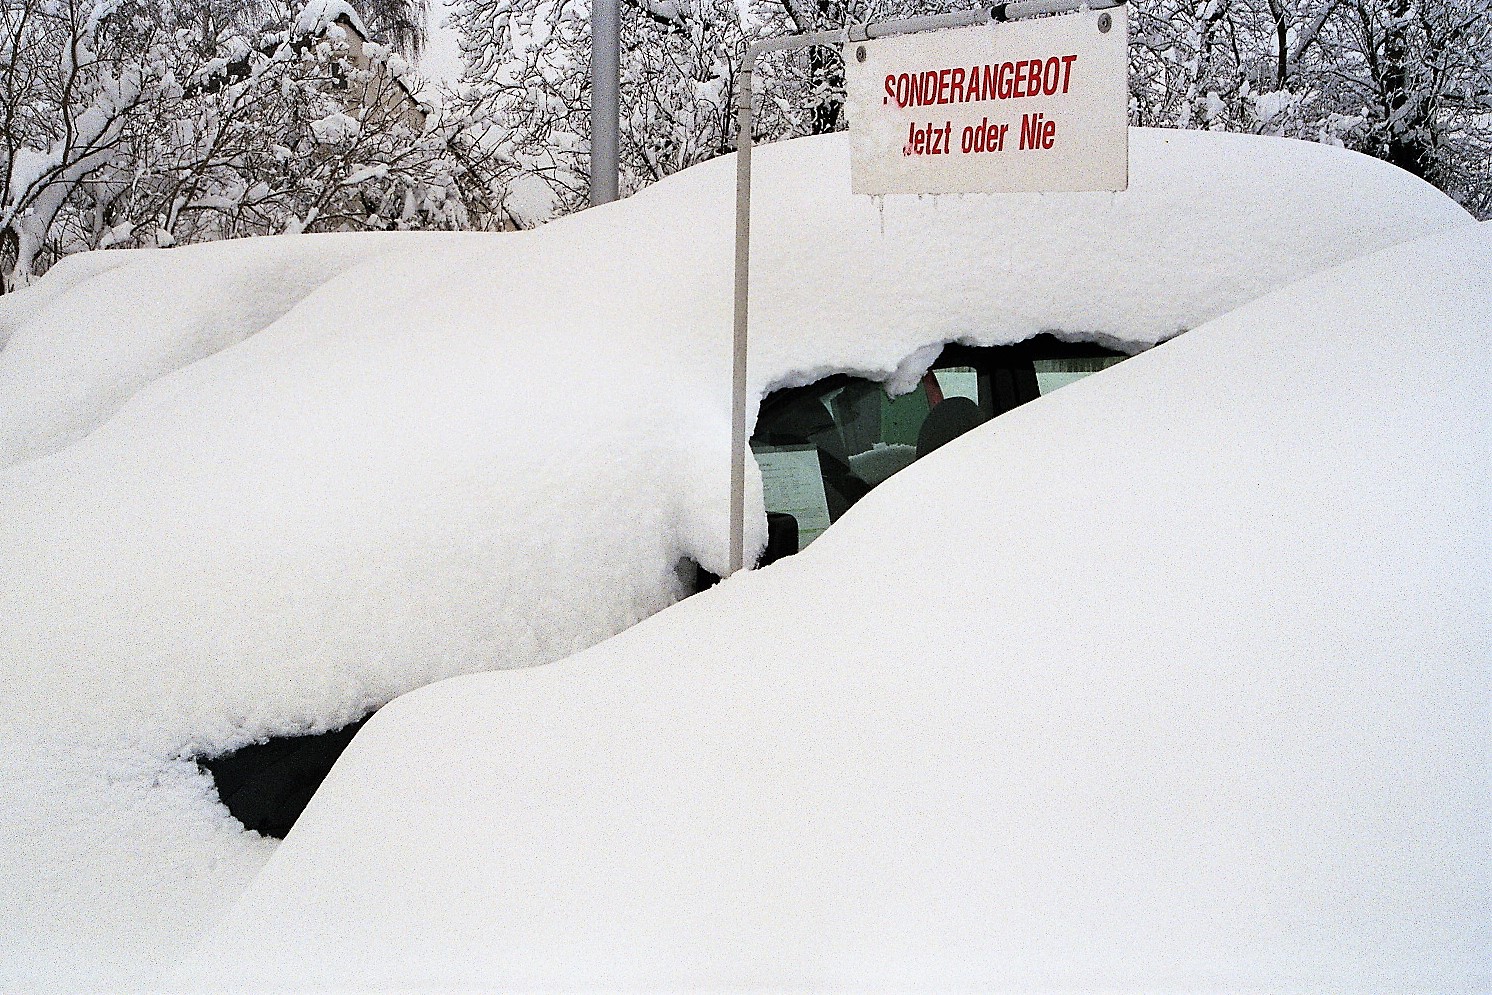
[
  {"x": 738, "y": 364},
  {"x": 605, "y": 82}
]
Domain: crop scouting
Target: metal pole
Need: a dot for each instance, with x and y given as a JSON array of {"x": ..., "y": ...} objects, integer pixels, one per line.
[
  {"x": 743, "y": 280},
  {"x": 1013, "y": 11},
  {"x": 605, "y": 82}
]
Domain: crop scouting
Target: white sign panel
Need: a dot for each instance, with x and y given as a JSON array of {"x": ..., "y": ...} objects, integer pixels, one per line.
[{"x": 1036, "y": 104}]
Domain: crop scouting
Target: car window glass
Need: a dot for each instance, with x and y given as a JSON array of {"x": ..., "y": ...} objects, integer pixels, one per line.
[
  {"x": 824, "y": 446},
  {"x": 1054, "y": 373}
]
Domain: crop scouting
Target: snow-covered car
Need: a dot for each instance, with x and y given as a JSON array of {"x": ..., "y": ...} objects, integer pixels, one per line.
[
  {"x": 1174, "y": 681},
  {"x": 259, "y": 489}
]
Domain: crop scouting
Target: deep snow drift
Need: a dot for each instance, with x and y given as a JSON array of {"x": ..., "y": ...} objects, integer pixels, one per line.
[
  {"x": 1210, "y": 221},
  {"x": 1175, "y": 680},
  {"x": 291, "y": 479},
  {"x": 104, "y": 324}
]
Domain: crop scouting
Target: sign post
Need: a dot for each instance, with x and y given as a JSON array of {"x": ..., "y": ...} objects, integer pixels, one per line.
[
  {"x": 993, "y": 107},
  {"x": 605, "y": 97}
]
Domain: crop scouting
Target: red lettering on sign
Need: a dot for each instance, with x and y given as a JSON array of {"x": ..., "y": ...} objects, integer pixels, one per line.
[
  {"x": 929, "y": 139},
  {"x": 991, "y": 81},
  {"x": 985, "y": 136},
  {"x": 1037, "y": 133}
]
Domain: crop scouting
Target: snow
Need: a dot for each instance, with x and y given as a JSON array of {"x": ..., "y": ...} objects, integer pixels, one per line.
[
  {"x": 1127, "y": 277},
  {"x": 20, "y": 307},
  {"x": 258, "y": 488},
  {"x": 29, "y": 165},
  {"x": 336, "y": 129},
  {"x": 530, "y": 200},
  {"x": 1175, "y": 680},
  {"x": 440, "y": 63},
  {"x": 102, "y": 325},
  {"x": 318, "y": 15}
]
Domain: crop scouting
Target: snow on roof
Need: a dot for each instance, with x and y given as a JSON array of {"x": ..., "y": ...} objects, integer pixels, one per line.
[
  {"x": 1175, "y": 680},
  {"x": 19, "y": 307},
  {"x": 317, "y": 15},
  {"x": 102, "y": 325},
  {"x": 260, "y": 487},
  {"x": 840, "y": 282}
]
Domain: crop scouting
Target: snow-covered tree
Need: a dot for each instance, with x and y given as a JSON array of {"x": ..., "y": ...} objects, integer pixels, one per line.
[
  {"x": 1424, "y": 80},
  {"x": 1406, "y": 80},
  {"x": 1409, "y": 81},
  {"x": 74, "y": 74},
  {"x": 149, "y": 122},
  {"x": 528, "y": 77},
  {"x": 401, "y": 24},
  {"x": 312, "y": 129}
]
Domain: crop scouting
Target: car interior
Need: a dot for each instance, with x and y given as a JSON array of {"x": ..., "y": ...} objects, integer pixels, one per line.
[{"x": 823, "y": 447}]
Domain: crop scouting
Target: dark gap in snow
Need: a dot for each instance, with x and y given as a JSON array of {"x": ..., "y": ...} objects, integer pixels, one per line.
[
  {"x": 824, "y": 446},
  {"x": 703, "y": 579},
  {"x": 266, "y": 786},
  {"x": 782, "y": 540}
]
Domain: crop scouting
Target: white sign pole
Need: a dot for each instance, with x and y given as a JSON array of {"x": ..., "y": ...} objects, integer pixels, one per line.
[
  {"x": 738, "y": 350},
  {"x": 866, "y": 33},
  {"x": 744, "y": 140}
]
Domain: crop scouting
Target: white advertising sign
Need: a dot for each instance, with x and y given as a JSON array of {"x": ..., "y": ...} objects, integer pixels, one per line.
[{"x": 1036, "y": 104}]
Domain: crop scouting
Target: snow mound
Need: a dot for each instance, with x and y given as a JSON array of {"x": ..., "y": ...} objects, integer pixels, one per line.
[
  {"x": 101, "y": 325},
  {"x": 1175, "y": 680},
  {"x": 840, "y": 282},
  {"x": 290, "y": 479},
  {"x": 21, "y": 306}
]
